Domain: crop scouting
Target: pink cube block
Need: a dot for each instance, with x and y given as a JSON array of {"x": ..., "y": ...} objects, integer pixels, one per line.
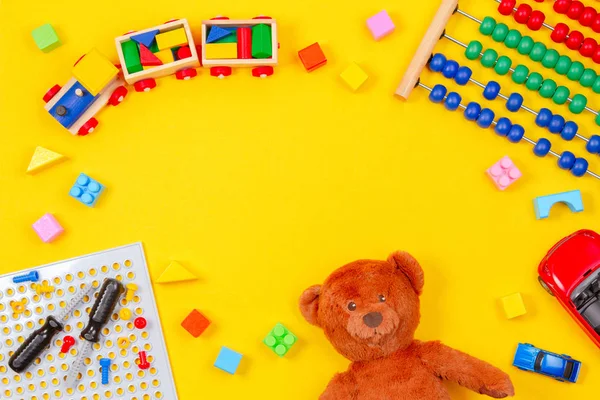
[
  {"x": 380, "y": 25},
  {"x": 504, "y": 173},
  {"x": 47, "y": 228}
]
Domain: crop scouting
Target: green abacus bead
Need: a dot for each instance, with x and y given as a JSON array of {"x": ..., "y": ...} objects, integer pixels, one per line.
[
  {"x": 596, "y": 85},
  {"x": 578, "y": 104},
  {"x": 499, "y": 33},
  {"x": 520, "y": 74},
  {"x": 538, "y": 51},
  {"x": 487, "y": 26},
  {"x": 563, "y": 65},
  {"x": 525, "y": 45},
  {"x": 575, "y": 71},
  {"x": 473, "y": 50},
  {"x": 588, "y": 78},
  {"x": 561, "y": 95},
  {"x": 512, "y": 39},
  {"x": 550, "y": 58},
  {"x": 489, "y": 58},
  {"x": 548, "y": 88},
  {"x": 503, "y": 65},
  {"x": 534, "y": 81}
]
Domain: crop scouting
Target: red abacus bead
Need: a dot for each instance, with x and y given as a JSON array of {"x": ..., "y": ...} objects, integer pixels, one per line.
[
  {"x": 588, "y": 47},
  {"x": 575, "y": 10},
  {"x": 506, "y": 6},
  {"x": 596, "y": 55},
  {"x": 536, "y": 20},
  {"x": 596, "y": 24},
  {"x": 574, "y": 40},
  {"x": 588, "y": 16},
  {"x": 523, "y": 12},
  {"x": 561, "y": 6},
  {"x": 560, "y": 33}
]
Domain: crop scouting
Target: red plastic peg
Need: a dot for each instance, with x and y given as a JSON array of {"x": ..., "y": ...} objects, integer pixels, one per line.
[
  {"x": 143, "y": 362},
  {"x": 140, "y": 322},
  {"x": 68, "y": 342}
]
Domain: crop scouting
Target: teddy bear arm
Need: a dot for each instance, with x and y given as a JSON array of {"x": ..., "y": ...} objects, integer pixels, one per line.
[
  {"x": 342, "y": 386},
  {"x": 467, "y": 371}
]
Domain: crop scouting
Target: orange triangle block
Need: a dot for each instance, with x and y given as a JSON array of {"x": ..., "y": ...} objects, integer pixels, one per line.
[
  {"x": 148, "y": 58},
  {"x": 175, "y": 272}
]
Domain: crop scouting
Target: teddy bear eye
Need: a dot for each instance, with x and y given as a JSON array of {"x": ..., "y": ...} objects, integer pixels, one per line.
[
  {"x": 382, "y": 298},
  {"x": 352, "y": 306}
]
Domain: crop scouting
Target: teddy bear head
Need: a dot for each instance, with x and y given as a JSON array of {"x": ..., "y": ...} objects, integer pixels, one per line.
[{"x": 368, "y": 309}]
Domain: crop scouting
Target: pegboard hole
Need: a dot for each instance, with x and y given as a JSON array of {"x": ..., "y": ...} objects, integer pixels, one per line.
[
  {"x": 116, "y": 266},
  {"x": 69, "y": 278},
  {"x": 92, "y": 271},
  {"x": 104, "y": 269},
  {"x": 131, "y": 275},
  {"x": 128, "y": 263}
]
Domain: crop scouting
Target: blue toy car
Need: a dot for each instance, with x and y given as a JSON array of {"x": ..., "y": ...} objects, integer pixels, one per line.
[{"x": 560, "y": 367}]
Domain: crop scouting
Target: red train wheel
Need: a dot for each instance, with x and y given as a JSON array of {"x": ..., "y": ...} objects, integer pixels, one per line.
[
  {"x": 220, "y": 72},
  {"x": 219, "y": 18},
  {"x": 51, "y": 93},
  {"x": 117, "y": 96},
  {"x": 88, "y": 127},
  {"x": 262, "y": 72},
  {"x": 145, "y": 85},
  {"x": 79, "y": 59},
  {"x": 172, "y": 20},
  {"x": 262, "y": 17},
  {"x": 186, "y": 74}
]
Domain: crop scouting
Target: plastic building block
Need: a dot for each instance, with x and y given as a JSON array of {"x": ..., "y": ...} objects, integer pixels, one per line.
[
  {"x": 262, "y": 42},
  {"x": 43, "y": 158},
  {"x": 47, "y": 228},
  {"x": 217, "y": 33},
  {"x": 167, "y": 40},
  {"x": 131, "y": 289},
  {"x": 147, "y": 38},
  {"x": 142, "y": 363},
  {"x": 195, "y": 323},
  {"x": 67, "y": 343},
  {"x": 543, "y": 204},
  {"x": 165, "y": 56},
  {"x": 18, "y": 306},
  {"x": 147, "y": 58},
  {"x": 140, "y": 322},
  {"x": 228, "y": 360},
  {"x": 354, "y": 76},
  {"x": 175, "y": 272},
  {"x": 123, "y": 343},
  {"x": 513, "y": 305},
  {"x": 312, "y": 57},
  {"x": 131, "y": 54},
  {"x": 43, "y": 288},
  {"x": 94, "y": 71},
  {"x": 45, "y": 38},
  {"x": 72, "y": 105},
  {"x": 380, "y": 25},
  {"x": 86, "y": 190},
  {"x": 503, "y": 173},
  {"x": 280, "y": 340},
  {"x": 220, "y": 51},
  {"x": 105, "y": 367},
  {"x": 32, "y": 276},
  {"x": 125, "y": 314}
]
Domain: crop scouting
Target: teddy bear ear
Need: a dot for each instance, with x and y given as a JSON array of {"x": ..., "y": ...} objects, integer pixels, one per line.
[
  {"x": 309, "y": 304},
  {"x": 410, "y": 267}
]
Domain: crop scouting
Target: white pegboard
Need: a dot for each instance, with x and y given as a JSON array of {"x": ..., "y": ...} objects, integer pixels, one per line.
[{"x": 43, "y": 380}]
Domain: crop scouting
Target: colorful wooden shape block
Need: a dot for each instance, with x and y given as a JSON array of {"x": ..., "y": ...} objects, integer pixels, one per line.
[
  {"x": 195, "y": 323},
  {"x": 513, "y": 305},
  {"x": 43, "y": 158},
  {"x": 503, "y": 173},
  {"x": 147, "y": 58},
  {"x": 147, "y": 38},
  {"x": 217, "y": 33},
  {"x": 175, "y": 272},
  {"x": 220, "y": 51},
  {"x": 262, "y": 42},
  {"x": 48, "y": 228},
  {"x": 380, "y": 25},
  {"x": 86, "y": 190},
  {"x": 176, "y": 37},
  {"x": 543, "y": 204},
  {"x": 312, "y": 57},
  {"x": 228, "y": 360},
  {"x": 354, "y": 76},
  {"x": 165, "y": 56},
  {"x": 232, "y": 38},
  {"x": 280, "y": 340},
  {"x": 131, "y": 54},
  {"x": 72, "y": 104},
  {"x": 94, "y": 71},
  {"x": 45, "y": 38}
]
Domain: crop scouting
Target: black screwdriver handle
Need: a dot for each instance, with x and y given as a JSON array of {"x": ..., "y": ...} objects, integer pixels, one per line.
[
  {"x": 105, "y": 303},
  {"x": 34, "y": 345}
]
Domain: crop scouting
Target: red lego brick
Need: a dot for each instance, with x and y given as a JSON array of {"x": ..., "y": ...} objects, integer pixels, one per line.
[
  {"x": 195, "y": 323},
  {"x": 312, "y": 57}
]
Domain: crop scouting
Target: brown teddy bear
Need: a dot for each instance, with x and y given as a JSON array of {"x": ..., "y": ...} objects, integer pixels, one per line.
[{"x": 369, "y": 311}]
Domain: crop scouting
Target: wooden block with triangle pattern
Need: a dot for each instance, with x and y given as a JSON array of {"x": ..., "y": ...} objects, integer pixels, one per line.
[
  {"x": 43, "y": 158},
  {"x": 175, "y": 272}
]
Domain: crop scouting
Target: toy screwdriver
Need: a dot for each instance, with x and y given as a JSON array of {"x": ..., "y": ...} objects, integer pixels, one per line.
[
  {"x": 40, "y": 339},
  {"x": 105, "y": 303}
]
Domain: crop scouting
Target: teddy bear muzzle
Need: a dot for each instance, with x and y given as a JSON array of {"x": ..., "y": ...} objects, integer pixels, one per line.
[{"x": 373, "y": 319}]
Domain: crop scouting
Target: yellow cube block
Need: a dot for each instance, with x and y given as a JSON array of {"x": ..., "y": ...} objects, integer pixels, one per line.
[
  {"x": 354, "y": 76},
  {"x": 513, "y": 305},
  {"x": 219, "y": 51},
  {"x": 166, "y": 56},
  {"x": 94, "y": 71},
  {"x": 169, "y": 39}
]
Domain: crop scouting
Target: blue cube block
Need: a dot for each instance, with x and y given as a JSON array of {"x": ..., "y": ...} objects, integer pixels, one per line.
[
  {"x": 228, "y": 360},
  {"x": 86, "y": 190}
]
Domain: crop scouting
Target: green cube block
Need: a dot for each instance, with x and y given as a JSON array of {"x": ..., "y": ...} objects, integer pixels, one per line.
[
  {"x": 262, "y": 44},
  {"x": 280, "y": 340},
  {"x": 45, "y": 38},
  {"x": 131, "y": 54}
]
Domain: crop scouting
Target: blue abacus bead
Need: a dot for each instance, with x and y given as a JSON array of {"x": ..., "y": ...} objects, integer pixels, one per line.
[
  {"x": 491, "y": 91},
  {"x": 452, "y": 101},
  {"x": 557, "y": 123},
  {"x": 463, "y": 75},
  {"x": 472, "y": 111},
  {"x": 566, "y": 160},
  {"x": 580, "y": 167},
  {"x": 514, "y": 102},
  {"x": 516, "y": 133},
  {"x": 437, "y": 62},
  {"x": 542, "y": 147},
  {"x": 450, "y": 69},
  {"x": 593, "y": 145},
  {"x": 569, "y": 130},
  {"x": 503, "y": 126},
  {"x": 543, "y": 118},
  {"x": 438, "y": 93},
  {"x": 486, "y": 118}
]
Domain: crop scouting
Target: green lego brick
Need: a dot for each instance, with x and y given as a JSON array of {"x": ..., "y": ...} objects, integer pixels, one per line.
[
  {"x": 280, "y": 340},
  {"x": 262, "y": 44},
  {"x": 45, "y": 38},
  {"x": 131, "y": 54},
  {"x": 231, "y": 38}
]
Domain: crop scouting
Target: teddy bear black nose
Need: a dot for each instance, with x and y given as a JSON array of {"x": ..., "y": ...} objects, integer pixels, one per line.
[{"x": 373, "y": 319}]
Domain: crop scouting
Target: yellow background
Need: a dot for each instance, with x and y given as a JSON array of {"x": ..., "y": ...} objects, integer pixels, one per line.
[{"x": 263, "y": 187}]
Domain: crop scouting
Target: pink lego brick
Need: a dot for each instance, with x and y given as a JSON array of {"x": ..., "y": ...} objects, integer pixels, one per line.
[
  {"x": 380, "y": 25},
  {"x": 48, "y": 228},
  {"x": 504, "y": 173}
]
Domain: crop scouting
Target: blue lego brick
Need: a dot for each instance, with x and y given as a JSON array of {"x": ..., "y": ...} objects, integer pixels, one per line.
[
  {"x": 86, "y": 190},
  {"x": 543, "y": 204},
  {"x": 72, "y": 106},
  {"x": 217, "y": 33},
  {"x": 228, "y": 360},
  {"x": 146, "y": 38}
]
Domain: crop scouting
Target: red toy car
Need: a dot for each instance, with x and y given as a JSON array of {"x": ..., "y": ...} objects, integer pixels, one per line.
[{"x": 571, "y": 272}]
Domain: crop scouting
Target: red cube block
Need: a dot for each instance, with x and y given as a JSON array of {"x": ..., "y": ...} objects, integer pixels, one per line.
[
  {"x": 195, "y": 323},
  {"x": 312, "y": 57}
]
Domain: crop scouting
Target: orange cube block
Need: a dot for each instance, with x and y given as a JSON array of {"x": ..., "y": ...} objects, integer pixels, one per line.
[
  {"x": 312, "y": 57},
  {"x": 195, "y": 323}
]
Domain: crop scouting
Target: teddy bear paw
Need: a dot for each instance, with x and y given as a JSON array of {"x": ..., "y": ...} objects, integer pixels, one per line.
[{"x": 500, "y": 389}]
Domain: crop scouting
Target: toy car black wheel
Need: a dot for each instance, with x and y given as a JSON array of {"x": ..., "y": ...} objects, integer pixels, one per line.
[{"x": 546, "y": 288}]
